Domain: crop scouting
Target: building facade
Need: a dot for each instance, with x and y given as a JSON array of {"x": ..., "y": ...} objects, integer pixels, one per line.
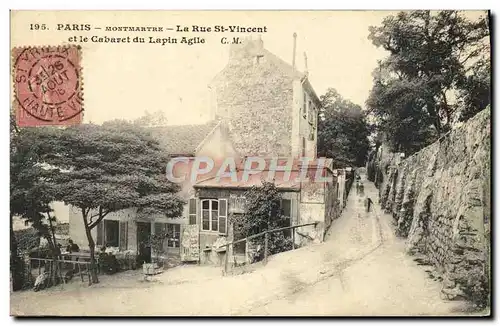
[
  {"x": 129, "y": 231},
  {"x": 260, "y": 106},
  {"x": 270, "y": 107}
]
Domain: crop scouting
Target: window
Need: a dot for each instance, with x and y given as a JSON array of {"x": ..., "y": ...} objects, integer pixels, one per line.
[
  {"x": 173, "y": 232},
  {"x": 304, "y": 106},
  {"x": 174, "y": 235},
  {"x": 112, "y": 233},
  {"x": 26, "y": 223},
  {"x": 303, "y": 147},
  {"x": 214, "y": 215},
  {"x": 192, "y": 211}
]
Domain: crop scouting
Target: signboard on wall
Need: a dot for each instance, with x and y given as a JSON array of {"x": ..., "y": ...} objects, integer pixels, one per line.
[{"x": 190, "y": 243}]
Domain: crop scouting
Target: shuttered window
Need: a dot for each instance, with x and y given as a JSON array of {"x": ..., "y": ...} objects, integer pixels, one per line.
[
  {"x": 214, "y": 215},
  {"x": 223, "y": 216},
  {"x": 192, "y": 211},
  {"x": 112, "y": 233}
]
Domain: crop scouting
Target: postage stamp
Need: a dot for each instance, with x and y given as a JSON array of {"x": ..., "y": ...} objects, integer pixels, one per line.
[{"x": 47, "y": 85}]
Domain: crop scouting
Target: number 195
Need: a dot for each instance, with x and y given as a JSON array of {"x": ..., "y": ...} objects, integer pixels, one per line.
[{"x": 36, "y": 27}]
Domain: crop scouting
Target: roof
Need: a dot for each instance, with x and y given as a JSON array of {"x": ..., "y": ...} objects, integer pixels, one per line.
[
  {"x": 252, "y": 180},
  {"x": 182, "y": 139},
  {"x": 285, "y": 67}
]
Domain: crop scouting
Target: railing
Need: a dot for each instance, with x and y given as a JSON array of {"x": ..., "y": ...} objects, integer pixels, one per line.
[{"x": 266, "y": 241}]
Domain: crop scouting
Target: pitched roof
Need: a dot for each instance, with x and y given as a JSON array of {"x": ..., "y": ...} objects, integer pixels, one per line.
[{"x": 182, "y": 139}]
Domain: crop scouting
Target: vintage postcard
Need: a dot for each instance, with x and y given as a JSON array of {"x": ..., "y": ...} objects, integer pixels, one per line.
[{"x": 250, "y": 163}]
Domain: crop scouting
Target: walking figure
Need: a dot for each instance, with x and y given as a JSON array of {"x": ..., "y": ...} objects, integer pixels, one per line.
[
  {"x": 369, "y": 203},
  {"x": 361, "y": 189}
]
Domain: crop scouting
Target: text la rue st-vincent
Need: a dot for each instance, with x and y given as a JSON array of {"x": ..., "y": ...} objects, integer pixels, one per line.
[{"x": 169, "y": 39}]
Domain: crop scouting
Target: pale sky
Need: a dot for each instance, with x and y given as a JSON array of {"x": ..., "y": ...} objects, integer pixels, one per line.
[{"x": 124, "y": 80}]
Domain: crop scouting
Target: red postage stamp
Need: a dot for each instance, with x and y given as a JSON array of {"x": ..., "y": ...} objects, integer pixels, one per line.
[{"x": 48, "y": 86}]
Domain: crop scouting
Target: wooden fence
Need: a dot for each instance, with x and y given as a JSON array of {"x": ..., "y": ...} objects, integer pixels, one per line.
[
  {"x": 266, "y": 241},
  {"x": 48, "y": 264}
]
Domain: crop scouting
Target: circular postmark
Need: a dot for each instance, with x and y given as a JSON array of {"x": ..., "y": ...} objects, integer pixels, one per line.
[{"x": 47, "y": 85}]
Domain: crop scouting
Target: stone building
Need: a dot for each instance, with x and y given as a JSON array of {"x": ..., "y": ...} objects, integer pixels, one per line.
[{"x": 271, "y": 107}]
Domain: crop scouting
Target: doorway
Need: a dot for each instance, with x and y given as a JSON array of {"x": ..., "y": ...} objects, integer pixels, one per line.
[{"x": 144, "y": 249}]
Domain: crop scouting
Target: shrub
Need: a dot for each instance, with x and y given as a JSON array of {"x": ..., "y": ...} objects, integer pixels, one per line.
[{"x": 475, "y": 286}]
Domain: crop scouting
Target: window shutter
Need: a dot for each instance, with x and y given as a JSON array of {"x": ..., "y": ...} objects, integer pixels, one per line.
[
  {"x": 223, "y": 216},
  {"x": 304, "y": 105},
  {"x": 286, "y": 207},
  {"x": 286, "y": 210},
  {"x": 192, "y": 211},
  {"x": 100, "y": 233},
  {"x": 123, "y": 235}
]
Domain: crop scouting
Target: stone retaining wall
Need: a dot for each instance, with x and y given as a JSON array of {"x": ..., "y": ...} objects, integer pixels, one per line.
[{"x": 440, "y": 201}]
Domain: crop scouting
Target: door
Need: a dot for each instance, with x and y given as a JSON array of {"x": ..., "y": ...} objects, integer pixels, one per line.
[{"x": 143, "y": 247}]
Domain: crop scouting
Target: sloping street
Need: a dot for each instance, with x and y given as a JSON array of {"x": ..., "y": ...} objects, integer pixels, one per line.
[{"x": 361, "y": 269}]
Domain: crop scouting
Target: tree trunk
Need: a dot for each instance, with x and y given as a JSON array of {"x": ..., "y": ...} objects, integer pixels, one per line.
[
  {"x": 165, "y": 263},
  {"x": 55, "y": 248},
  {"x": 93, "y": 269},
  {"x": 51, "y": 239},
  {"x": 15, "y": 260}
]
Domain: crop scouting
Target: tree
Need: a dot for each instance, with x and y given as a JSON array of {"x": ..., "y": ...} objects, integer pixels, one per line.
[
  {"x": 262, "y": 212},
  {"x": 475, "y": 90},
  {"x": 30, "y": 196},
  {"x": 431, "y": 57},
  {"x": 401, "y": 124},
  {"x": 342, "y": 131},
  {"x": 103, "y": 169}
]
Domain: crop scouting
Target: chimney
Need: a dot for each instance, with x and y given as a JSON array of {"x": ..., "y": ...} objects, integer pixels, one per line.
[
  {"x": 294, "y": 49},
  {"x": 306, "y": 71}
]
